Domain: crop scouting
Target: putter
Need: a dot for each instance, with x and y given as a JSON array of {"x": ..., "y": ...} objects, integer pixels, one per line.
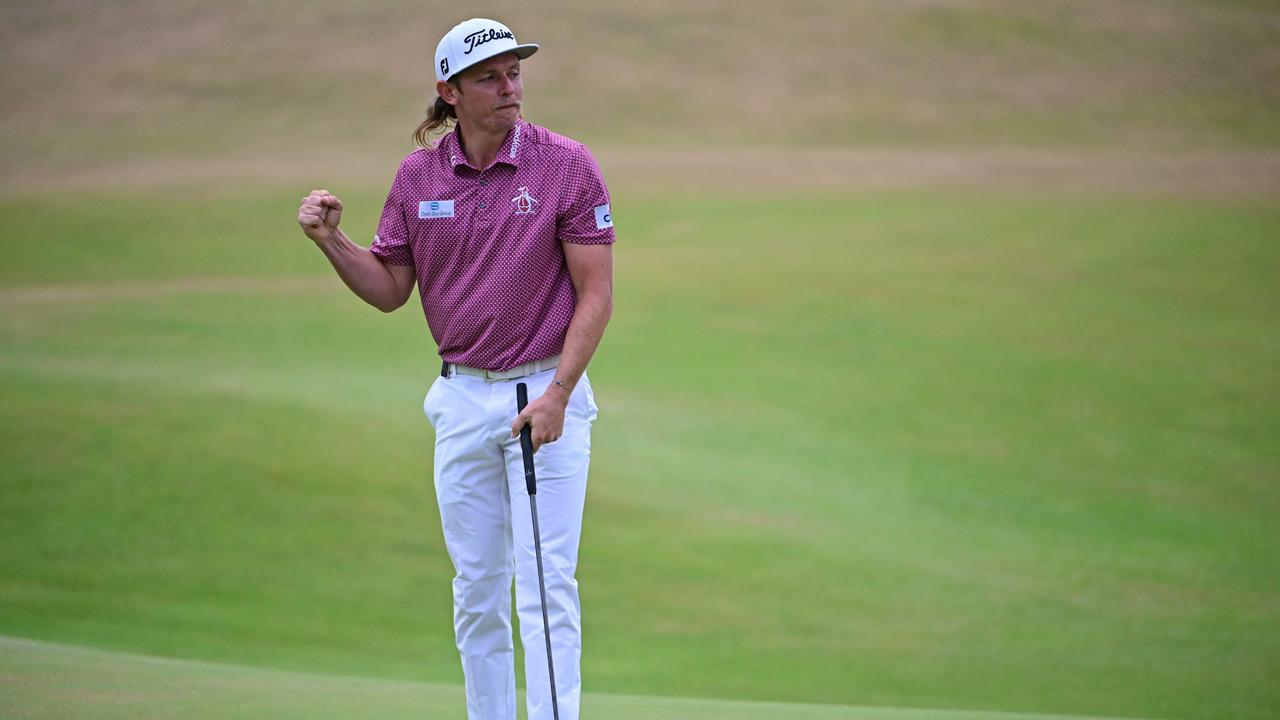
[{"x": 531, "y": 484}]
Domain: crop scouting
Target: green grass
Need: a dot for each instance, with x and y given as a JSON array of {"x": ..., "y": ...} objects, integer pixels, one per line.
[
  {"x": 918, "y": 449},
  {"x": 46, "y": 680},
  {"x": 933, "y": 448}
]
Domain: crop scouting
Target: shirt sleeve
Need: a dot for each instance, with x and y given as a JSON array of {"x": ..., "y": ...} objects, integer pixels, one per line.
[
  {"x": 391, "y": 242},
  {"x": 585, "y": 216}
]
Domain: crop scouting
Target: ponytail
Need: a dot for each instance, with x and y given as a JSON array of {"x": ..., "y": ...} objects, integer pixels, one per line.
[{"x": 440, "y": 115}]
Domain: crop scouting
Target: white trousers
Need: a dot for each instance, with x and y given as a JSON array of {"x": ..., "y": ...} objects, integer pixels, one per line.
[{"x": 488, "y": 532}]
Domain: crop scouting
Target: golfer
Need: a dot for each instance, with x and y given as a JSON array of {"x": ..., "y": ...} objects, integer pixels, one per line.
[{"x": 505, "y": 228}]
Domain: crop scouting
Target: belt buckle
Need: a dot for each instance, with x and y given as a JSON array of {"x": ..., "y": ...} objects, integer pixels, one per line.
[
  {"x": 514, "y": 373},
  {"x": 493, "y": 376}
]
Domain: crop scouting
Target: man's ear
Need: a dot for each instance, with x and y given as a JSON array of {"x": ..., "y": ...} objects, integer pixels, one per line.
[{"x": 447, "y": 92}]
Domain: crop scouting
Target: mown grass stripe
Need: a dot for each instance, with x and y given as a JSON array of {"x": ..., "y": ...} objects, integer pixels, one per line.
[{"x": 46, "y": 679}]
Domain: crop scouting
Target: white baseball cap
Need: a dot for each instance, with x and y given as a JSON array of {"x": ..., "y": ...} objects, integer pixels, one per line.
[{"x": 474, "y": 40}]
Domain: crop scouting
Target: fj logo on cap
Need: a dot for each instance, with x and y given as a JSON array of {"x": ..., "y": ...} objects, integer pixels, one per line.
[{"x": 435, "y": 209}]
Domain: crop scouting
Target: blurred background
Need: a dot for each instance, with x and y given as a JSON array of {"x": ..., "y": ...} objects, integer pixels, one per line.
[{"x": 943, "y": 372}]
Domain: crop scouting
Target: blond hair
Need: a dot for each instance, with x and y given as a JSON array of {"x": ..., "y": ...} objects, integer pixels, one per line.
[{"x": 440, "y": 115}]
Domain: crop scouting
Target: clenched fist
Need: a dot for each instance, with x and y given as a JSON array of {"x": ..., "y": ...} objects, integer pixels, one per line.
[{"x": 319, "y": 215}]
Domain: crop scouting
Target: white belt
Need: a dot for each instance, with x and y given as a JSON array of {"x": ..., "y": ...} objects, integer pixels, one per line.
[{"x": 518, "y": 371}]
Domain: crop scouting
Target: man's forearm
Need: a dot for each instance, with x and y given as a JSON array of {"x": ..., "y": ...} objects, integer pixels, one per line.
[
  {"x": 585, "y": 331},
  {"x": 362, "y": 271}
]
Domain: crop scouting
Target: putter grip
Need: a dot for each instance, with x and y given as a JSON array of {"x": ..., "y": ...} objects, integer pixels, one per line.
[{"x": 526, "y": 441}]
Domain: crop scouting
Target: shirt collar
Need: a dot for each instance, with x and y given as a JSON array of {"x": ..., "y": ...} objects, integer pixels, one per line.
[{"x": 509, "y": 152}]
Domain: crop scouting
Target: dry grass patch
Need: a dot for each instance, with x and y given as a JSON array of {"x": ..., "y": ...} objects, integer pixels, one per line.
[{"x": 91, "y": 88}]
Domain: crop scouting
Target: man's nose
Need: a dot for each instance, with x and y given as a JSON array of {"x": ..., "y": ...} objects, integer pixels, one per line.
[{"x": 507, "y": 87}]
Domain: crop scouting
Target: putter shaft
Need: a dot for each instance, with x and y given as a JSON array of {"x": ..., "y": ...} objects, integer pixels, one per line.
[{"x": 531, "y": 484}]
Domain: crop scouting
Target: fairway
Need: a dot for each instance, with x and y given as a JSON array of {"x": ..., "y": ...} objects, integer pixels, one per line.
[
  {"x": 45, "y": 680},
  {"x": 961, "y": 460},
  {"x": 941, "y": 384}
]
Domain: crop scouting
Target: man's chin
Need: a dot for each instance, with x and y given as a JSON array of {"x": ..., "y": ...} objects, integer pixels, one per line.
[{"x": 504, "y": 121}]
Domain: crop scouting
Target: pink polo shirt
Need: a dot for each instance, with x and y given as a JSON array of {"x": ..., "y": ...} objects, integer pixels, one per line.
[{"x": 486, "y": 242}]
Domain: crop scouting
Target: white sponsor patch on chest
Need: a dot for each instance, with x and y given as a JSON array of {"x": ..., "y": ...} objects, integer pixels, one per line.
[
  {"x": 435, "y": 209},
  {"x": 604, "y": 217}
]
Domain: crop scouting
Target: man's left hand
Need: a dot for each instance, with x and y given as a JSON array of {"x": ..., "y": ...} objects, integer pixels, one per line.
[{"x": 545, "y": 416}]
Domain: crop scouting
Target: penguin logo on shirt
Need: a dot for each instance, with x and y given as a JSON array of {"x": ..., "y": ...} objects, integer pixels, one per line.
[{"x": 525, "y": 203}]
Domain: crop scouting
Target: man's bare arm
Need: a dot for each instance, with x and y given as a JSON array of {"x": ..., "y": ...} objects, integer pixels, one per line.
[
  {"x": 383, "y": 285},
  {"x": 591, "y": 269}
]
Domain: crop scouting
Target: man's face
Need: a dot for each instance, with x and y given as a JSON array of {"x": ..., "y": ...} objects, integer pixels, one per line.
[{"x": 490, "y": 93}]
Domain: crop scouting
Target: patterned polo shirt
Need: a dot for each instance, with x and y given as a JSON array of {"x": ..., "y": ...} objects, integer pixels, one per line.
[{"x": 485, "y": 242}]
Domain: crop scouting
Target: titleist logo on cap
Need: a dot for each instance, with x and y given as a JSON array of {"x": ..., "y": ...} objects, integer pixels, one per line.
[{"x": 480, "y": 37}]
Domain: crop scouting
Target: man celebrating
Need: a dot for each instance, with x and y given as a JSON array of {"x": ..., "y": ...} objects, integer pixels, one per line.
[{"x": 506, "y": 229}]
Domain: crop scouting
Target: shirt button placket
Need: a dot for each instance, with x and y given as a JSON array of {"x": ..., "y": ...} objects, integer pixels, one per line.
[{"x": 484, "y": 217}]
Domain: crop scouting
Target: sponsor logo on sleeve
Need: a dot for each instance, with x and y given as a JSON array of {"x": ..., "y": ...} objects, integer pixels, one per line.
[
  {"x": 604, "y": 217},
  {"x": 435, "y": 209}
]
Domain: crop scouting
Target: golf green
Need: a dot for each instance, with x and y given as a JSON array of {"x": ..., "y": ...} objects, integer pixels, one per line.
[
  {"x": 48, "y": 680},
  {"x": 926, "y": 448}
]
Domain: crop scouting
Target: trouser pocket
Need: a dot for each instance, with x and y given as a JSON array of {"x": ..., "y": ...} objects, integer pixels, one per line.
[{"x": 428, "y": 404}]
